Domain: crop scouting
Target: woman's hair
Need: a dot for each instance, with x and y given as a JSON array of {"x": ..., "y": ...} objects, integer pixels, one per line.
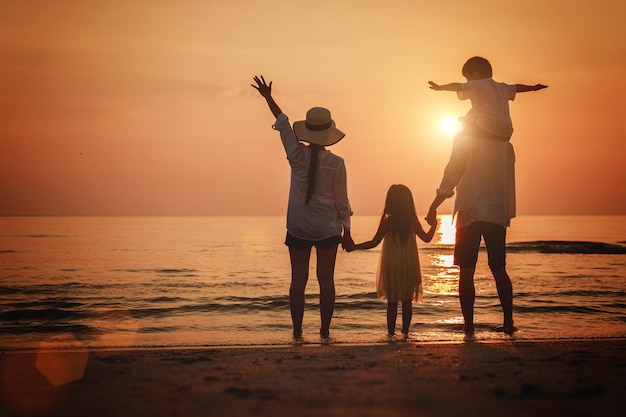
[
  {"x": 477, "y": 64},
  {"x": 312, "y": 171},
  {"x": 400, "y": 212}
]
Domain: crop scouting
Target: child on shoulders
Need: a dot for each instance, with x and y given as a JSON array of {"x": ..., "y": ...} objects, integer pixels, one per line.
[{"x": 489, "y": 115}]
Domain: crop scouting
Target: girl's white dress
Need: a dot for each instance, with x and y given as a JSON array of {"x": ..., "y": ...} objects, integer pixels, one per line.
[{"x": 399, "y": 277}]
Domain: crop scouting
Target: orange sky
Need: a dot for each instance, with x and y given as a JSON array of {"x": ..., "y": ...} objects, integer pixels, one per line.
[{"x": 145, "y": 107}]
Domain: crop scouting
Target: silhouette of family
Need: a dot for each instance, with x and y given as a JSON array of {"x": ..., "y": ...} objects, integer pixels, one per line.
[{"x": 480, "y": 169}]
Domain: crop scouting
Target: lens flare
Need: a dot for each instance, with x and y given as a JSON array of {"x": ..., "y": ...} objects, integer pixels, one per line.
[{"x": 449, "y": 124}]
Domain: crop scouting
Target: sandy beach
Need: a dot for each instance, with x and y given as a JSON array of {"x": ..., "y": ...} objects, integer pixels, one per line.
[{"x": 513, "y": 378}]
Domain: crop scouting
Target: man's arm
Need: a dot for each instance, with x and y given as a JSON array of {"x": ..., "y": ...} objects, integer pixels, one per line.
[
  {"x": 522, "y": 88},
  {"x": 431, "y": 217},
  {"x": 445, "y": 87},
  {"x": 452, "y": 175},
  {"x": 266, "y": 91}
]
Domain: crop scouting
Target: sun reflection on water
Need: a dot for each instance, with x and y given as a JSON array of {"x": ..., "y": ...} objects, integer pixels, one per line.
[
  {"x": 445, "y": 279},
  {"x": 443, "y": 261},
  {"x": 446, "y": 230}
]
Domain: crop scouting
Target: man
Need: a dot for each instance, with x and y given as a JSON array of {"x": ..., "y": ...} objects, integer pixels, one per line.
[{"x": 483, "y": 172}]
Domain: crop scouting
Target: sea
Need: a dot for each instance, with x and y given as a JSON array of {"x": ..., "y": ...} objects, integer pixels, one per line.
[{"x": 145, "y": 282}]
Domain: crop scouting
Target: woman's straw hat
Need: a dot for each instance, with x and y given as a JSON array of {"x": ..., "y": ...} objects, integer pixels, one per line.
[{"x": 318, "y": 128}]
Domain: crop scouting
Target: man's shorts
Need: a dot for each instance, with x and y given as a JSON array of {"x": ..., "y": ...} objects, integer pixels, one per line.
[
  {"x": 468, "y": 243},
  {"x": 297, "y": 243}
]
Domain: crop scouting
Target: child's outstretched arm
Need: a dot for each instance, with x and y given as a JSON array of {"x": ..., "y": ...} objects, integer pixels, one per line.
[
  {"x": 266, "y": 91},
  {"x": 378, "y": 237},
  {"x": 522, "y": 88},
  {"x": 445, "y": 87}
]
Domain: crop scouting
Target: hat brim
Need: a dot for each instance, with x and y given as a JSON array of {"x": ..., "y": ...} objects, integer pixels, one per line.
[{"x": 325, "y": 137}]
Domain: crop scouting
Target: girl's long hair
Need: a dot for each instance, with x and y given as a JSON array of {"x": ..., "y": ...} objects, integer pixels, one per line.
[
  {"x": 400, "y": 212},
  {"x": 315, "y": 149}
]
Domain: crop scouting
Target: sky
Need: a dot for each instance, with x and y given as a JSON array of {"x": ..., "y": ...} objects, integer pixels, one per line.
[{"x": 128, "y": 107}]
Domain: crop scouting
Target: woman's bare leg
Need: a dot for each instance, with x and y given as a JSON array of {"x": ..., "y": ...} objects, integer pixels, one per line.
[
  {"x": 326, "y": 277},
  {"x": 299, "y": 277}
]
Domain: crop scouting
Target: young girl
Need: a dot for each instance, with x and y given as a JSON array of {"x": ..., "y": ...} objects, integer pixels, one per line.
[{"x": 399, "y": 278}]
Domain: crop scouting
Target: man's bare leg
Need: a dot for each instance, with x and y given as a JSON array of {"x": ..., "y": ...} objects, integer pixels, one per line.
[
  {"x": 467, "y": 295},
  {"x": 505, "y": 292}
]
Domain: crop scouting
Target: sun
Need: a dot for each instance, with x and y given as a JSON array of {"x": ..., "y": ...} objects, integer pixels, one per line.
[{"x": 449, "y": 124}]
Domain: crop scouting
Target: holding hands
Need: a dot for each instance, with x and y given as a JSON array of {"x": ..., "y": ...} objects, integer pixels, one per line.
[
  {"x": 347, "y": 243},
  {"x": 348, "y": 246},
  {"x": 431, "y": 217}
]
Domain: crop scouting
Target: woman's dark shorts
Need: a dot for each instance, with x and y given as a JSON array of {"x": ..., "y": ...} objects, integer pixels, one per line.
[
  {"x": 297, "y": 243},
  {"x": 468, "y": 243}
]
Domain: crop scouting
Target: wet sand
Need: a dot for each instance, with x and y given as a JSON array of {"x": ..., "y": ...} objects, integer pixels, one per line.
[{"x": 510, "y": 378}]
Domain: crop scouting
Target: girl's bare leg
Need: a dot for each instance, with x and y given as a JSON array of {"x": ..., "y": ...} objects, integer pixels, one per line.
[
  {"x": 407, "y": 315},
  {"x": 392, "y": 315}
]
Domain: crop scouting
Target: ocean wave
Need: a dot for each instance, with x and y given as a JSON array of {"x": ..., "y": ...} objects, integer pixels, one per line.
[
  {"x": 567, "y": 246},
  {"x": 55, "y": 289},
  {"x": 548, "y": 296},
  {"x": 49, "y": 328},
  {"x": 41, "y": 315},
  {"x": 187, "y": 272},
  {"x": 560, "y": 309},
  {"x": 40, "y": 236}
]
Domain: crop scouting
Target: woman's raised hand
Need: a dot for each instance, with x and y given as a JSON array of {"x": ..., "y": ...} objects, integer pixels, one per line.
[
  {"x": 266, "y": 91},
  {"x": 262, "y": 87}
]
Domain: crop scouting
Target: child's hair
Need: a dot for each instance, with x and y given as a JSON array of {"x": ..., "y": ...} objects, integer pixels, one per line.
[
  {"x": 400, "y": 212},
  {"x": 477, "y": 64}
]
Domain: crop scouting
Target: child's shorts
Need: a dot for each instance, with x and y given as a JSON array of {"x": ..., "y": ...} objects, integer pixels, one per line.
[
  {"x": 297, "y": 243},
  {"x": 468, "y": 243}
]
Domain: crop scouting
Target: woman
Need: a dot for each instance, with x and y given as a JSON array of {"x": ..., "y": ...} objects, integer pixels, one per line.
[{"x": 318, "y": 210}]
